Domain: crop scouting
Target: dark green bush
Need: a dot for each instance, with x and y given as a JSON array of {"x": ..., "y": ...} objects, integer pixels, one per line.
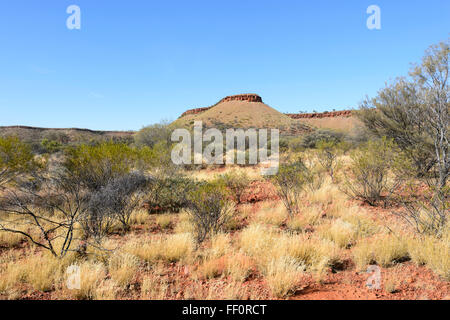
[
  {"x": 16, "y": 158},
  {"x": 95, "y": 165},
  {"x": 50, "y": 146},
  {"x": 311, "y": 140},
  {"x": 169, "y": 193}
]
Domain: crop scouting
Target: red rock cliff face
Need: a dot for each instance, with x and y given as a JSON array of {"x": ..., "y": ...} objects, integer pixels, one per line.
[
  {"x": 195, "y": 111},
  {"x": 250, "y": 97}
]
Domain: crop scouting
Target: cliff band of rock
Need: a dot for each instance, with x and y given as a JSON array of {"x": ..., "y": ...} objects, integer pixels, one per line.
[
  {"x": 249, "y": 97},
  {"x": 333, "y": 114}
]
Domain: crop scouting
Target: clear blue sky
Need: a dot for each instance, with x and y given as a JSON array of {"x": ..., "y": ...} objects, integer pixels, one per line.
[{"x": 136, "y": 62}]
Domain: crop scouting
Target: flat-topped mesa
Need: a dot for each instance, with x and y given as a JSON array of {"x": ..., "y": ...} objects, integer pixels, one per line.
[{"x": 249, "y": 97}]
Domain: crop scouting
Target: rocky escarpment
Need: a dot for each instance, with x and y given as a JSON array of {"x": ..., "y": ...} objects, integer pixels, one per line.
[
  {"x": 249, "y": 97},
  {"x": 333, "y": 114}
]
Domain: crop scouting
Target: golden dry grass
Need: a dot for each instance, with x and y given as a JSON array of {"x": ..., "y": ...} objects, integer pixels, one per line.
[
  {"x": 431, "y": 252},
  {"x": 170, "y": 248},
  {"x": 385, "y": 250},
  {"x": 344, "y": 124},
  {"x": 273, "y": 213},
  {"x": 10, "y": 240},
  {"x": 164, "y": 221},
  {"x": 280, "y": 251}
]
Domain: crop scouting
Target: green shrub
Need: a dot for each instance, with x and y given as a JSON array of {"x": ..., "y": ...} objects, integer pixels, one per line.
[
  {"x": 311, "y": 140},
  {"x": 296, "y": 144},
  {"x": 16, "y": 158},
  {"x": 169, "y": 193},
  {"x": 50, "y": 146},
  {"x": 236, "y": 182},
  {"x": 151, "y": 135},
  {"x": 95, "y": 165}
]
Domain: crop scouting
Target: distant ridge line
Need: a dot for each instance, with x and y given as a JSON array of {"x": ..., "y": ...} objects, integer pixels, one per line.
[{"x": 65, "y": 129}]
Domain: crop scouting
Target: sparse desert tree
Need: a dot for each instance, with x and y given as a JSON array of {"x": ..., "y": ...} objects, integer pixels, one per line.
[
  {"x": 16, "y": 158},
  {"x": 209, "y": 208},
  {"x": 434, "y": 94},
  {"x": 106, "y": 170},
  {"x": 45, "y": 209},
  {"x": 153, "y": 134},
  {"x": 327, "y": 155},
  {"x": 415, "y": 113},
  {"x": 236, "y": 182},
  {"x": 290, "y": 182},
  {"x": 376, "y": 171}
]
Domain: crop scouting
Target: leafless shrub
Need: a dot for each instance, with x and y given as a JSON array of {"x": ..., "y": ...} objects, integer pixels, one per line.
[
  {"x": 45, "y": 209},
  {"x": 375, "y": 173},
  {"x": 209, "y": 208},
  {"x": 117, "y": 200},
  {"x": 428, "y": 216}
]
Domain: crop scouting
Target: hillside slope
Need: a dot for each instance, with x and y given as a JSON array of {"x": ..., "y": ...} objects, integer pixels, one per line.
[{"x": 242, "y": 111}]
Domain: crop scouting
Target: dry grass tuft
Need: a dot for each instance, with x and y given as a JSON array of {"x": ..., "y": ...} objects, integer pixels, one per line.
[
  {"x": 239, "y": 267},
  {"x": 10, "y": 240},
  {"x": 92, "y": 275},
  {"x": 431, "y": 252},
  {"x": 171, "y": 248},
  {"x": 339, "y": 231},
  {"x": 271, "y": 213},
  {"x": 154, "y": 287},
  {"x": 184, "y": 225},
  {"x": 212, "y": 268},
  {"x": 283, "y": 276},
  {"x": 139, "y": 217},
  {"x": 164, "y": 221},
  {"x": 123, "y": 267},
  {"x": 385, "y": 250}
]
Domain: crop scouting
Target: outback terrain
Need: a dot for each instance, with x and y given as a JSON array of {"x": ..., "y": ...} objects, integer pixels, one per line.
[{"x": 358, "y": 209}]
